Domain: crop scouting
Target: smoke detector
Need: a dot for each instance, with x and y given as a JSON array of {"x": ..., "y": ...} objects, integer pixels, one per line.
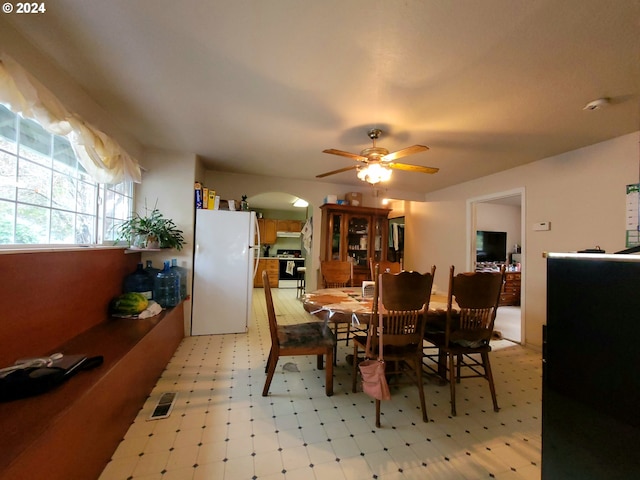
[{"x": 596, "y": 104}]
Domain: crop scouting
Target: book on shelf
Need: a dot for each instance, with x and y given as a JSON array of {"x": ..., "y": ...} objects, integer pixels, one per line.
[
  {"x": 198, "y": 195},
  {"x": 205, "y": 197},
  {"x": 212, "y": 199}
]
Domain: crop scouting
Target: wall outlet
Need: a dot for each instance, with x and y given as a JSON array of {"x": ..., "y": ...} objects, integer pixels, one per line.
[{"x": 541, "y": 226}]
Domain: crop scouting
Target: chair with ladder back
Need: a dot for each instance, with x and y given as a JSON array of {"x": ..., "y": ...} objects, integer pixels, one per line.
[
  {"x": 469, "y": 328},
  {"x": 403, "y": 304},
  {"x": 308, "y": 338}
]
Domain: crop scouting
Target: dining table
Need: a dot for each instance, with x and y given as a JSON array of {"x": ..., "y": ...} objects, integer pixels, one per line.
[{"x": 349, "y": 305}]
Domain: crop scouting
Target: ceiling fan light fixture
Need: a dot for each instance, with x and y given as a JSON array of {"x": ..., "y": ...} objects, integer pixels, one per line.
[
  {"x": 374, "y": 173},
  {"x": 376, "y": 163}
]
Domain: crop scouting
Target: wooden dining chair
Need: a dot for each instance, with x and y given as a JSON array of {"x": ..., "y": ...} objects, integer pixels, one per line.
[
  {"x": 338, "y": 274},
  {"x": 309, "y": 338},
  {"x": 468, "y": 328},
  {"x": 403, "y": 302},
  {"x": 385, "y": 267}
]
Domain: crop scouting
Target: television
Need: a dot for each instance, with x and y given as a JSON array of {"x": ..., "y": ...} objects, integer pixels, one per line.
[{"x": 491, "y": 246}]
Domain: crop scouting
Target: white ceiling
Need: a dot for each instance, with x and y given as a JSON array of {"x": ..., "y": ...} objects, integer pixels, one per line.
[{"x": 262, "y": 87}]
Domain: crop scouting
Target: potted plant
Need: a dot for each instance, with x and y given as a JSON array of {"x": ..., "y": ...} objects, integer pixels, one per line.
[{"x": 151, "y": 231}]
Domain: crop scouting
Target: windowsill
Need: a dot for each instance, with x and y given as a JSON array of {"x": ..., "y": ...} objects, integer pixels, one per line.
[{"x": 13, "y": 249}]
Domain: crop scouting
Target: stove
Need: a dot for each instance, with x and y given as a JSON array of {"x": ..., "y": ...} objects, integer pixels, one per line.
[
  {"x": 288, "y": 272},
  {"x": 288, "y": 253}
]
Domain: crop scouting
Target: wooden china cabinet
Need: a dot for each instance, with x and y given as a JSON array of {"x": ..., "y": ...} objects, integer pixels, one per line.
[{"x": 354, "y": 234}]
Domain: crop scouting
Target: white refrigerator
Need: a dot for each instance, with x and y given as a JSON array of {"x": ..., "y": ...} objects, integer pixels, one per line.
[{"x": 225, "y": 262}]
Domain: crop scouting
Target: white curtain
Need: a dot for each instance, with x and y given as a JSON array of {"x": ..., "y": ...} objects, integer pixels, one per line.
[{"x": 99, "y": 154}]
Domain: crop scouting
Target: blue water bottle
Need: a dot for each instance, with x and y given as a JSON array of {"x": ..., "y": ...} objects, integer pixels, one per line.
[
  {"x": 151, "y": 270},
  {"x": 166, "y": 289},
  {"x": 139, "y": 281},
  {"x": 183, "y": 277}
]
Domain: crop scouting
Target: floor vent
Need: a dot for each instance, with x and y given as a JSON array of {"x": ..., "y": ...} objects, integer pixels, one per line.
[{"x": 164, "y": 406}]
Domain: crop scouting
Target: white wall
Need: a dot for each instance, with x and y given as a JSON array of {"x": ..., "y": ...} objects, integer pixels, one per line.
[
  {"x": 169, "y": 180},
  {"x": 582, "y": 194}
]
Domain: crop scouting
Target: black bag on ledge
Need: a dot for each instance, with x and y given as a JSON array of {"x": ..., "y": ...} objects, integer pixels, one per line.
[
  {"x": 33, "y": 380},
  {"x": 592, "y": 250}
]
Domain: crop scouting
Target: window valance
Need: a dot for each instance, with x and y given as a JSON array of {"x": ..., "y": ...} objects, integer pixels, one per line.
[{"x": 103, "y": 158}]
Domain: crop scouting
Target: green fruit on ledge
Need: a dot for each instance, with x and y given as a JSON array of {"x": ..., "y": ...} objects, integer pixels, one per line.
[{"x": 130, "y": 303}]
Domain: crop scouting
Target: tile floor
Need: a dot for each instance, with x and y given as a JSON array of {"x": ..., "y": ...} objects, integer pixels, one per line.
[
  {"x": 508, "y": 323},
  {"x": 222, "y": 428}
]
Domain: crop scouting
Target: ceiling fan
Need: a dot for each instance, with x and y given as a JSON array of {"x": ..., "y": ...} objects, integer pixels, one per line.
[{"x": 377, "y": 163}]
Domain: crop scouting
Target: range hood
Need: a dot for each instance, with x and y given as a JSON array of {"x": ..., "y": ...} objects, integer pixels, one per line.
[{"x": 288, "y": 234}]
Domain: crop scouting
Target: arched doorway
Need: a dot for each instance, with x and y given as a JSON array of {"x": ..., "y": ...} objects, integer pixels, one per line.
[{"x": 281, "y": 222}]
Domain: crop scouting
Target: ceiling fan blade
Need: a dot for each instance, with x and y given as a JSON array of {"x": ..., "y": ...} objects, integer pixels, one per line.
[
  {"x": 412, "y": 168},
  {"x": 342, "y": 153},
  {"x": 404, "y": 152},
  {"x": 346, "y": 169}
]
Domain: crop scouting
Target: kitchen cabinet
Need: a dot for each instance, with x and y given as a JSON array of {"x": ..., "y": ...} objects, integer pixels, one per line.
[
  {"x": 267, "y": 228},
  {"x": 355, "y": 234},
  {"x": 510, "y": 294},
  {"x": 272, "y": 267},
  {"x": 291, "y": 226}
]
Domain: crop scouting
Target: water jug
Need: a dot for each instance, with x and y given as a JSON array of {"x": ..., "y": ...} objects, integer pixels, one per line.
[
  {"x": 150, "y": 270},
  {"x": 183, "y": 277},
  {"x": 139, "y": 281},
  {"x": 166, "y": 289}
]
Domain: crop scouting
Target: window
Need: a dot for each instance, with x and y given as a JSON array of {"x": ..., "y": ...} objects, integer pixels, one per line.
[{"x": 46, "y": 196}]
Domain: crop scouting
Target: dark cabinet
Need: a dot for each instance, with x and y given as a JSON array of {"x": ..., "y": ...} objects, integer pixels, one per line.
[
  {"x": 354, "y": 234},
  {"x": 590, "y": 386}
]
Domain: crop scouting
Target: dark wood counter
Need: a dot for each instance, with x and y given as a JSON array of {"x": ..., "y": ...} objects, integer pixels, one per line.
[{"x": 72, "y": 431}]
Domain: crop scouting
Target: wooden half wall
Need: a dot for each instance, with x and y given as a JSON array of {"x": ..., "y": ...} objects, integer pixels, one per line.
[{"x": 52, "y": 296}]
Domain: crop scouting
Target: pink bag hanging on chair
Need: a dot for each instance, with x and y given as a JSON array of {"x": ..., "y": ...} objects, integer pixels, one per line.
[{"x": 374, "y": 381}]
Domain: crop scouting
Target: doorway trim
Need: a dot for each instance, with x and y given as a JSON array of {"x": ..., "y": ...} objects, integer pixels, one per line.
[{"x": 471, "y": 241}]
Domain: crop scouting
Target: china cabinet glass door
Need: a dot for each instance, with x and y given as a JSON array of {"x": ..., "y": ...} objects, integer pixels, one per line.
[
  {"x": 336, "y": 236},
  {"x": 358, "y": 240},
  {"x": 378, "y": 239}
]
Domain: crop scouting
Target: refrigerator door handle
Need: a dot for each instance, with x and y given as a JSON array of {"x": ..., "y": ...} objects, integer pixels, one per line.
[
  {"x": 256, "y": 259},
  {"x": 255, "y": 222}
]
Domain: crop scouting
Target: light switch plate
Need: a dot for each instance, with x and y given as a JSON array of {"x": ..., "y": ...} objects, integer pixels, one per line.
[{"x": 541, "y": 226}]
